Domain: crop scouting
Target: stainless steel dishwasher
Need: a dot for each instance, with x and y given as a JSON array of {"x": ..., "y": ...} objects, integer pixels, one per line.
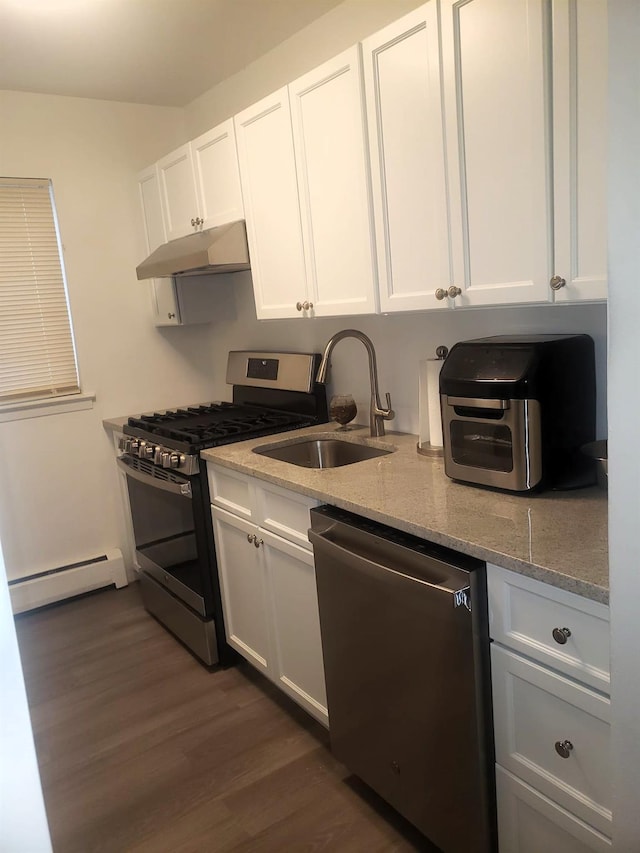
[{"x": 406, "y": 656}]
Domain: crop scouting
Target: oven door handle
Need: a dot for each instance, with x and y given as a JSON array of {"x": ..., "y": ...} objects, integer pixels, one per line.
[{"x": 182, "y": 489}]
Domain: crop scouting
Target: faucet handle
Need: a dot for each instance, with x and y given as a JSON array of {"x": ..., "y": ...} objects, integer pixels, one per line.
[{"x": 389, "y": 414}]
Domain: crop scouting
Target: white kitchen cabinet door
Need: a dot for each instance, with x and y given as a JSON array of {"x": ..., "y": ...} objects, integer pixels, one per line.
[
  {"x": 178, "y": 192},
  {"x": 496, "y": 89},
  {"x": 243, "y": 585},
  {"x": 272, "y": 209},
  {"x": 406, "y": 140},
  {"x": 327, "y": 110},
  {"x": 153, "y": 223},
  {"x": 166, "y": 310},
  {"x": 215, "y": 169},
  {"x": 297, "y": 664},
  {"x": 580, "y": 148},
  {"x": 529, "y": 822}
]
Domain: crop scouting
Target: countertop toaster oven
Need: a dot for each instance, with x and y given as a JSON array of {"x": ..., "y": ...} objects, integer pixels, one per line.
[{"x": 516, "y": 409}]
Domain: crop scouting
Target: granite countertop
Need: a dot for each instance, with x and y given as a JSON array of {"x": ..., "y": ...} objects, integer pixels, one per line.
[{"x": 557, "y": 537}]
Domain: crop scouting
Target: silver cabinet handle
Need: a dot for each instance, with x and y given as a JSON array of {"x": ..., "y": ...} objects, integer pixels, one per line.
[
  {"x": 441, "y": 294},
  {"x": 560, "y": 635},
  {"x": 454, "y": 291},
  {"x": 557, "y": 282},
  {"x": 563, "y": 748}
]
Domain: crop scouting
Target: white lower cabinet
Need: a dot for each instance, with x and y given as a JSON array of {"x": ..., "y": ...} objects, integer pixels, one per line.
[
  {"x": 268, "y": 583},
  {"x": 552, "y": 729},
  {"x": 529, "y": 822}
]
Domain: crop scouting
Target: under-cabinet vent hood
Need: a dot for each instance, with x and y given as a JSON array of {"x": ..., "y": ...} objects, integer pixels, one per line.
[{"x": 218, "y": 250}]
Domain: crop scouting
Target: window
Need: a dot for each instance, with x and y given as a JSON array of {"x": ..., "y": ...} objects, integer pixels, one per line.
[{"x": 37, "y": 351}]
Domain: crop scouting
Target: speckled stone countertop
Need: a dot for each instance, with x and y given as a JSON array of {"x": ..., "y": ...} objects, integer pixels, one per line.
[{"x": 556, "y": 537}]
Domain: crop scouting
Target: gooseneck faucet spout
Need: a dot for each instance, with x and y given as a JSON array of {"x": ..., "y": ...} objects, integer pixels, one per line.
[{"x": 377, "y": 415}]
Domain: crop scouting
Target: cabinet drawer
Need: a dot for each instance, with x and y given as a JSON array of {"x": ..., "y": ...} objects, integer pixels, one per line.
[
  {"x": 523, "y": 614},
  {"x": 529, "y": 822},
  {"x": 231, "y": 491},
  {"x": 284, "y": 513},
  {"x": 536, "y": 709}
]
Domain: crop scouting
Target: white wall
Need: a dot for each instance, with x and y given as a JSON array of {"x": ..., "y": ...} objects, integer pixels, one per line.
[
  {"x": 624, "y": 411},
  {"x": 57, "y": 479},
  {"x": 401, "y": 341}
]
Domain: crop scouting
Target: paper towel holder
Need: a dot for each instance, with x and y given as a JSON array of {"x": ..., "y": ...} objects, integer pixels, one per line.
[{"x": 426, "y": 449}]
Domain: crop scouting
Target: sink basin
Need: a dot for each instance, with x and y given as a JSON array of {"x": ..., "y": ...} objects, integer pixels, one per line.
[{"x": 321, "y": 452}]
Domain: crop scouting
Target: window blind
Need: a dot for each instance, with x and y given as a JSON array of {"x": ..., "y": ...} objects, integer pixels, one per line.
[{"x": 37, "y": 351}]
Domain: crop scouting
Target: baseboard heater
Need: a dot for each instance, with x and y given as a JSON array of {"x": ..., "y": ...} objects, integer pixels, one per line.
[{"x": 66, "y": 581}]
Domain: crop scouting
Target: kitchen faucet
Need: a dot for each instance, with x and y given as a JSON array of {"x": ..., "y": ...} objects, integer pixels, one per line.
[{"x": 377, "y": 415}]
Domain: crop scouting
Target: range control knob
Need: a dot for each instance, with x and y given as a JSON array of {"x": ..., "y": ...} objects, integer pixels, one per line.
[
  {"x": 148, "y": 451},
  {"x": 174, "y": 460},
  {"x": 134, "y": 446},
  {"x": 158, "y": 455}
]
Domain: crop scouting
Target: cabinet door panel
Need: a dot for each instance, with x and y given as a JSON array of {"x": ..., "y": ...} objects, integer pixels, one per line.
[
  {"x": 178, "y": 192},
  {"x": 528, "y": 822},
  {"x": 496, "y": 102},
  {"x": 270, "y": 193},
  {"x": 297, "y": 665},
  {"x": 215, "y": 168},
  {"x": 242, "y": 580},
  {"x": 406, "y": 140},
  {"x": 580, "y": 148},
  {"x": 149, "y": 187},
  {"x": 165, "y": 302},
  {"x": 333, "y": 181}
]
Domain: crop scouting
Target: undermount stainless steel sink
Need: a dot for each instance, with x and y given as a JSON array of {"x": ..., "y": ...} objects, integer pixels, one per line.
[{"x": 321, "y": 452}]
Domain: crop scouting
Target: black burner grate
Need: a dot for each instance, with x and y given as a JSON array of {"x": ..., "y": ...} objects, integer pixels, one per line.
[{"x": 198, "y": 427}]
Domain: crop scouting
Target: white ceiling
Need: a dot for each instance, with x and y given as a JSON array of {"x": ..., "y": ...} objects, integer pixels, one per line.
[{"x": 144, "y": 51}]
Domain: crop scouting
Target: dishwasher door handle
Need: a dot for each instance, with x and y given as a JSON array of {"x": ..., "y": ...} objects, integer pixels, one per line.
[{"x": 357, "y": 561}]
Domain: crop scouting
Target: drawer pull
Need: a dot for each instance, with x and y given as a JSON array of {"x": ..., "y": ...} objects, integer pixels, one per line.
[
  {"x": 560, "y": 635},
  {"x": 251, "y": 537},
  {"x": 563, "y": 748}
]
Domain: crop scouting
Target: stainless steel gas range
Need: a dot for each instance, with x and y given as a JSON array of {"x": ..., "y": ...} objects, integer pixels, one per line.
[{"x": 169, "y": 496}]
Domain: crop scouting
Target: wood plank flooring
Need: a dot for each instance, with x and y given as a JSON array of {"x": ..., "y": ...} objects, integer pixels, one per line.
[{"x": 142, "y": 749}]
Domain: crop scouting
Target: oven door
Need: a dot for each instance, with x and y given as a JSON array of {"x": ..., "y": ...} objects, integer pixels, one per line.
[
  {"x": 492, "y": 442},
  {"x": 165, "y": 519}
]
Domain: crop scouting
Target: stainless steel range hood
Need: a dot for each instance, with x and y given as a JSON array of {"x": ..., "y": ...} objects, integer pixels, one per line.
[{"x": 218, "y": 250}]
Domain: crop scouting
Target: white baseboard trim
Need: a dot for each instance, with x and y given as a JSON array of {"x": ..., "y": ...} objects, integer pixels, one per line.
[{"x": 65, "y": 582}]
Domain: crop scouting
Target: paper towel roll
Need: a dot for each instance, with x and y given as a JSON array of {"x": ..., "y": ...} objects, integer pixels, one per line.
[{"x": 429, "y": 403}]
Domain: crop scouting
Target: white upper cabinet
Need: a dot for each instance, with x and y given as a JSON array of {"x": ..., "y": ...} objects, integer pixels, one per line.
[
  {"x": 217, "y": 178},
  {"x": 200, "y": 183},
  {"x": 406, "y": 140},
  {"x": 580, "y": 148},
  {"x": 178, "y": 192},
  {"x": 496, "y": 86},
  {"x": 149, "y": 192},
  {"x": 270, "y": 192},
  {"x": 327, "y": 109}
]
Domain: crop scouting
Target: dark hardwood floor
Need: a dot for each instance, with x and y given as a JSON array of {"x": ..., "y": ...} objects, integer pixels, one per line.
[{"x": 142, "y": 749}]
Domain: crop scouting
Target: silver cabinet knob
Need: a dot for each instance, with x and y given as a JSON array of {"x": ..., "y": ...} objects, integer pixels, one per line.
[
  {"x": 557, "y": 282},
  {"x": 441, "y": 294},
  {"x": 563, "y": 748},
  {"x": 560, "y": 635},
  {"x": 307, "y": 306},
  {"x": 171, "y": 316},
  {"x": 257, "y": 542},
  {"x": 298, "y": 306},
  {"x": 454, "y": 291},
  {"x": 193, "y": 222},
  {"x": 251, "y": 537}
]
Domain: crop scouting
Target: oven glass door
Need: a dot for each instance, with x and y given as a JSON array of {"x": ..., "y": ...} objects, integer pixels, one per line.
[
  {"x": 164, "y": 514},
  {"x": 479, "y": 444}
]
